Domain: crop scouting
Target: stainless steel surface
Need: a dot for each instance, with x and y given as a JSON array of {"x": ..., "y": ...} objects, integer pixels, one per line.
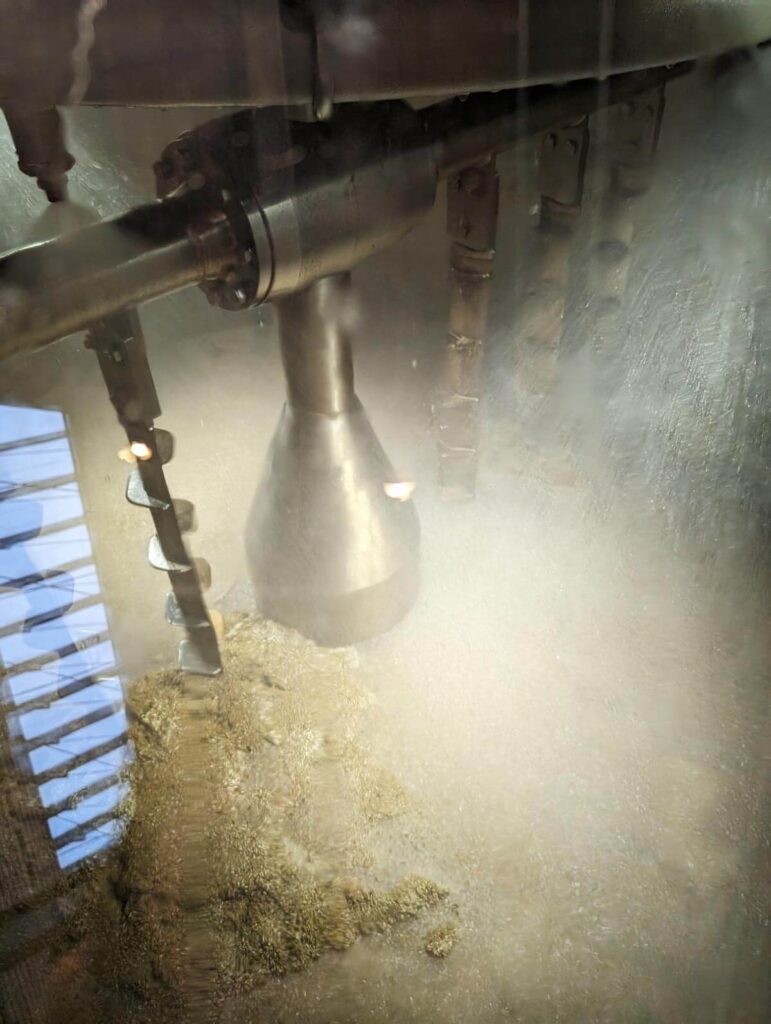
[
  {"x": 358, "y": 183},
  {"x": 266, "y": 52},
  {"x": 38, "y": 138},
  {"x": 406, "y": 48},
  {"x": 364, "y": 179},
  {"x": 316, "y": 351},
  {"x": 152, "y": 52},
  {"x": 354, "y": 192},
  {"x": 330, "y": 553},
  {"x": 51, "y": 289}
]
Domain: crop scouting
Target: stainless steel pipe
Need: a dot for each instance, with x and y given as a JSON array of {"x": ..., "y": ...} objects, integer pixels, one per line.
[
  {"x": 51, "y": 289},
  {"x": 316, "y": 349},
  {"x": 361, "y": 181}
]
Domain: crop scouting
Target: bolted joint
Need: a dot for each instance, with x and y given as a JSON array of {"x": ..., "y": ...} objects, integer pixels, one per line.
[
  {"x": 562, "y": 164},
  {"x": 472, "y": 206}
]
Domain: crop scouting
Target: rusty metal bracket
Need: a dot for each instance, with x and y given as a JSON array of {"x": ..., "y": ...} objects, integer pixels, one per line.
[
  {"x": 562, "y": 164},
  {"x": 472, "y": 214},
  {"x": 561, "y": 170},
  {"x": 635, "y": 130}
]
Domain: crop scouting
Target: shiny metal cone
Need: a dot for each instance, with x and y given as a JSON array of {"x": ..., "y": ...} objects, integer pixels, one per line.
[{"x": 330, "y": 553}]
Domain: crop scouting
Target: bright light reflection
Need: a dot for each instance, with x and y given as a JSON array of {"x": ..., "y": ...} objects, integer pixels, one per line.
[
  {"x": 141, "y": 451},
  {"x": 400, "y": 490}
]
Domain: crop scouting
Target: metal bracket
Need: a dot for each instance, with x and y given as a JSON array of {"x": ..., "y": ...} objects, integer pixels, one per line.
[
  {"x": 562, "y": 164},
  {"x": 119, "y": 345},
  {"x": 561, "y": 171},
  {"x": 635, "y": 131},
  {"x": 472, "y": 216}
]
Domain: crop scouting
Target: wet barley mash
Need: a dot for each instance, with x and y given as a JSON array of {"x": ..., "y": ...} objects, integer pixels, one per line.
[{"x": 260, "y": 837}]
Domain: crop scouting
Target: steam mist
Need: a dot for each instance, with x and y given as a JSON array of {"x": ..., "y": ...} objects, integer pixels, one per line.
[
  {"x": 580, "y": 699},
  {"x": 578, "y": 704}
]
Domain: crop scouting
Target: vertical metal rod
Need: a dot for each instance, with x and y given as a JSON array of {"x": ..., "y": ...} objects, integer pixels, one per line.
[{"x": 472, "y": 214}]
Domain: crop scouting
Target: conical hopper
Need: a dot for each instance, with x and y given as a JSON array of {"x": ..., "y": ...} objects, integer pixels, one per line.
[{"x": 330, "y": 552}]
